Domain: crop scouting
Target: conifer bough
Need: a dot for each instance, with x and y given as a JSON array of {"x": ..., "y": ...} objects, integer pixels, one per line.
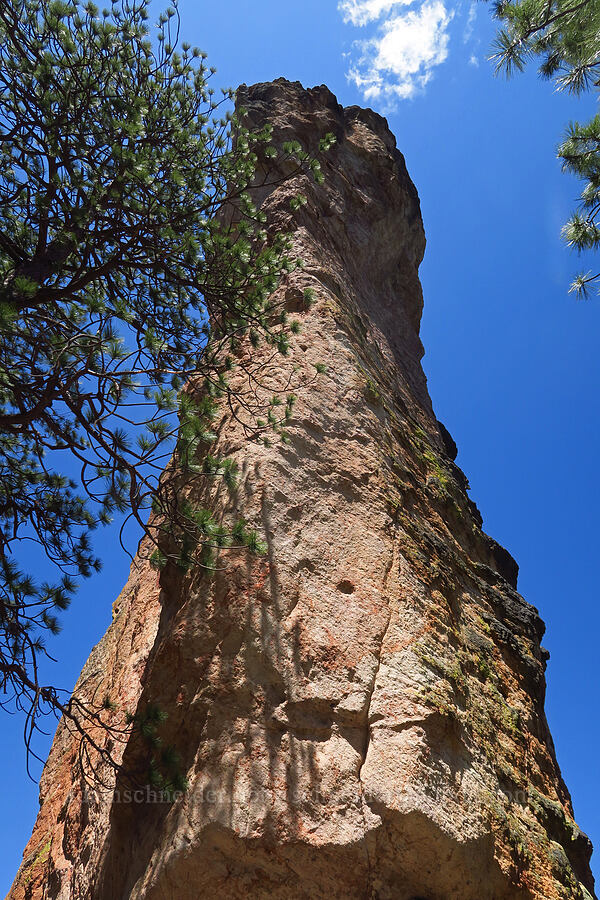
[
  {"x": 122, "y": 279},
  {"x": 566, "y": 35}
]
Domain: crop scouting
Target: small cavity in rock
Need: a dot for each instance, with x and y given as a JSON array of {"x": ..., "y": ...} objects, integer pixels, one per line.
[{"x": 346, "y": 587}]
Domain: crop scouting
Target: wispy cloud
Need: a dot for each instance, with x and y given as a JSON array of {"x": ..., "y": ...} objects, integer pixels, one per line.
[
  {"x": 468, "y": 33},
  {"x": 471, "y": 19},
  {"x": 408, "y": 40},
  {"x": 361, "y": 12}
]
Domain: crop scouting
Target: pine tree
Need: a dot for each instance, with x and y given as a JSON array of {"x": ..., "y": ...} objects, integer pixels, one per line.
[
  {"x": 122, "y": 280},
  {"x": 565, "y": 34}
]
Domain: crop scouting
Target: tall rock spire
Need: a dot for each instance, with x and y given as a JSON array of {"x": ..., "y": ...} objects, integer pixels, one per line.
[{"x": 360, "y": 712}]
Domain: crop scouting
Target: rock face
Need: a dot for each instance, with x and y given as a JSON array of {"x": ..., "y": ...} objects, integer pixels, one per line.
[{"x": 360, "y": 712}]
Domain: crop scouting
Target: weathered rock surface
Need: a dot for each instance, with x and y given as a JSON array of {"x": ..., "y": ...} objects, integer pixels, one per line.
[{"x": 360, "y": 713}]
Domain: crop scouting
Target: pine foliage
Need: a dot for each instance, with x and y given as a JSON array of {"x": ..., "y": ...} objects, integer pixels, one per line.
[
  {"x": 133, "y": 260},
  {"x": 565, "y": 36}
]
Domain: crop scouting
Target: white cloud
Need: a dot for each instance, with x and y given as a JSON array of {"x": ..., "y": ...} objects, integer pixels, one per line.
[
  {"x": 400, "y": 59},
  {"x": 405, "y": 41},
  {"x": 361, "y": 12},
  {"x": 471, "y": 19}
]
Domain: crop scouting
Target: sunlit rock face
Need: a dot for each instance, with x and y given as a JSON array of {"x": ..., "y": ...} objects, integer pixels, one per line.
[{"x": 359, "y": 712}]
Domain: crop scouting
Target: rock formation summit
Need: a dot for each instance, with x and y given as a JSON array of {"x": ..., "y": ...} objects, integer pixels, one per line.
[{"x": 360, "y": 712}]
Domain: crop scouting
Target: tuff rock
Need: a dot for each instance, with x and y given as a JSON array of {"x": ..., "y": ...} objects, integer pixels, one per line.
[{"x": 360, "y": 713}]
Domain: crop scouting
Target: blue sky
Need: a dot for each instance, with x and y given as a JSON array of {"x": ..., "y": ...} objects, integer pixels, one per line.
[{"x": 511, "y": 358}]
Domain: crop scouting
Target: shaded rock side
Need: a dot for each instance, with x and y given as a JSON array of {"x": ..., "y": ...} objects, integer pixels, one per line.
[{"x": 360, "y": 713}]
